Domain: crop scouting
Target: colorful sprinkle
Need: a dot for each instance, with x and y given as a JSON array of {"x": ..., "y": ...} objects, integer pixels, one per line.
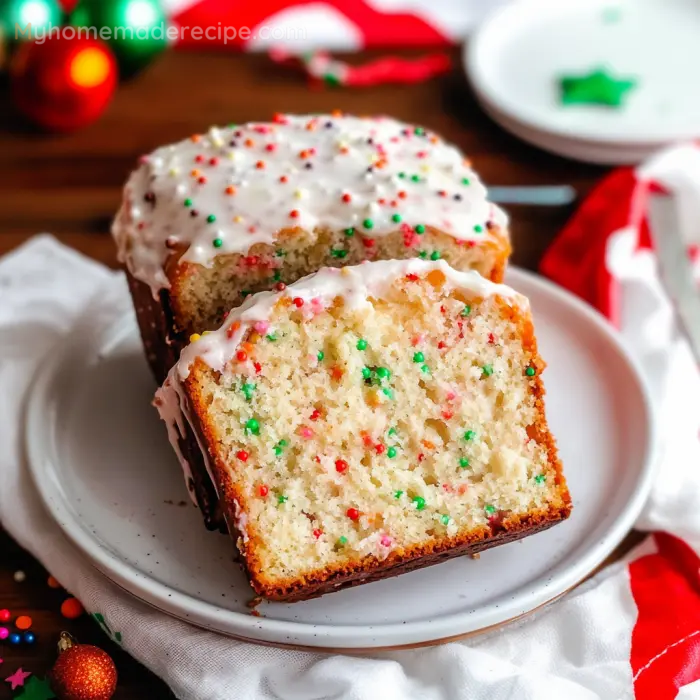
[
  {"x": 487, "y": 370},
  {"x": 383, "y": 373},
  {"x": 349, "y": 232},
  {"x": 341, "y": 466},
  {"x": 217, "y": 243},
  {"x": 195, "y": 337},
  {"x": 530, "y": 371},
  {"x": 72, "y": 608},
  {"x": 465, "y": 180},
  {"x": 263, "y": 490},
  {"x": 540, "y": 478},
  {"x": 320, "y": 355},
  {"x": 211, "y": 218},
  {"x": 361, "y": 344},
  {"x": 418, "y": 357},
  {"x": 419, "y": 502},
  {"x": 478, "y": 228},
  {"x": 398, "y": 494},
  {"x": 469, "y": 435},
  {"x": 252, "y": 426},
  {"x": 368, "y": 224},
  {"x": 445, "y": 519},
  {"x": 279, "y": 447},
  {"x": 342, "y": 540},
  {"x": 490, "y": 509},
  {"x": 420, "y": 229},
  {"x": 466, "y": 311},
  {"x": 282, "y": 498},
  {"x": 352, "y": 513},
  {"x": 391, "y": 452},
  {"x": 317, "y": 533},
  {"x": 435, "y": 255},
  {"x": 463, "y": 462},
  {"x": 188, "y": 202},
  {"x": 242, "y": 455}
]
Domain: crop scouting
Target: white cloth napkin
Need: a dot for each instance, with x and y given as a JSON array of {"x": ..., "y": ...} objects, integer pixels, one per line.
[{"x": 583, "y": 647}]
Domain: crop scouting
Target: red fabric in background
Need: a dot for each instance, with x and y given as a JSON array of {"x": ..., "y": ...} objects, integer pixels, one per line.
[
  {"x": 665, "y": 651},
  {"x": 377, "y": 28}
]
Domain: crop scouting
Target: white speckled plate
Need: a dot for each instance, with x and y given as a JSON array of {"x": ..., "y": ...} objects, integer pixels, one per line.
[
  {"x": 105, "y": 471},
  {"x": 515, "y": 58}
]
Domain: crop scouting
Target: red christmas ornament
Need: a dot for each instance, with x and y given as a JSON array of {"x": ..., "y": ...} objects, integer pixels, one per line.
[
  {"x": 63, "y": 84},
  {"x": 82, "y": 672}
]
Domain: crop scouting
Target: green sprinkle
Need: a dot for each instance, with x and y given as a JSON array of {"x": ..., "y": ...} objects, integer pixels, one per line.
[
  {"x": 435, "y": 255},
  {"x": 338, "y": 253},
  {"x": 349, "y": 232},
  {"x": 466, "y": 310},
  {"x": 420, "y": 229},
  {"x": 469, "y": 435},
  {"x": 398, "y": 494},
  {"x": 188, "y": 202},
  {"x": 487, "y": 370},
  {"x": 419, "y": 501},
  {"x": 463, "y": 462},
  {"x": 279, "y": 447},
  {"x": 211, "y": 218},
  {"x": 391, "y": 452},
  {"x": 402, "y": 175},
  {"x": 425, "y": 369},
  {"x": 478, "y": 228},
  {"x": 418, "y": 357},
  {"x": 465, "y": 180},
  {"x": 383, "y": 373},
  {"x": 396, "y": 218},
  {"x": 331, "y": 79},
  {"x": 368, "y": 223},
  {"x": 342, "y": 540},
  {"x": 392, "y": 431},
  {"x": 540, "y": 478},
  {"x": 388, "y": 393},
  {"x": 280, "y": 253},
  {"x": 445, "y": 519},
  {"x": 423, "y": 254},
  {"x": 530, "y": 371},
  {"x": 248, "y": 390},
  {"x": 361, "y": 344},
  {"x": 277, "y": 275},
  {"x": 415, "y": 178},
  {"x": 419, "y": 131},
  {"x": 490, "y": 509},
  {"x": 366, "y": 372},
  {"x": 272, "y": 337},
  {"x": 252, "y": 426},
  {"x": 232, "y": 125},
  {"x": 217, "y": 243},
  {"x": 282, "y": 498},
  {"x": 320, "y": 355}
]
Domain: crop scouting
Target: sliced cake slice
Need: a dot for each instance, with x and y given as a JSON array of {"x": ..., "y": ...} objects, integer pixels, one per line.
[{"x": 366, "y": 421}]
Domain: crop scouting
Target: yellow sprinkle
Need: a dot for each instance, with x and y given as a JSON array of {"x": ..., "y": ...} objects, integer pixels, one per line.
[
  {"x": 218, "y": 143},
  {"x": 232, "y": 155},
  {"x": 174, "y": 171},
  {"x": 238, "y": 219},
  {"x": 254, "y": 337},
  {"x": 345, "y": 271},
  {"x": 206, "y": 332},
  {"x": 298, "y": 194},
  {"x": 195, "y": 337},
  {"x": 425, "y": 168}
]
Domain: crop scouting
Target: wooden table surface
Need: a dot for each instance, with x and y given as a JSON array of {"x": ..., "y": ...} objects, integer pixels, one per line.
[{"x": 70, "y": 186}]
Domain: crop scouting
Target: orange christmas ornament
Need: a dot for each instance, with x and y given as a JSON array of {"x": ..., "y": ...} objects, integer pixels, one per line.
[
  {"x": 82, "y": 671},
  {"x": 71, "y": 608}
]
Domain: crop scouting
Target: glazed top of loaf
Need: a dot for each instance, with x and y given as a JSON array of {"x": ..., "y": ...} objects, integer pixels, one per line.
[
  {"x": 234, "y": 187},
  {"x": 356, "y": 285}
]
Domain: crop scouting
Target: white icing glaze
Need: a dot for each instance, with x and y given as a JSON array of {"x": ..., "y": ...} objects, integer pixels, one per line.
[
  {"x": 365, "y": 160},
  {"x": 354, "y": 284}
]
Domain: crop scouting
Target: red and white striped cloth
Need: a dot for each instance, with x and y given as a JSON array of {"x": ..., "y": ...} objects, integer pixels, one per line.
[
  {"x": 632, "y": 632},
  {"x": 345, "y": 25}
]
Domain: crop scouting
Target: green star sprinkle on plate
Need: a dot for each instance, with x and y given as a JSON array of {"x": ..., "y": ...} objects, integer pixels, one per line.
[{"x": 599, "y": 87}]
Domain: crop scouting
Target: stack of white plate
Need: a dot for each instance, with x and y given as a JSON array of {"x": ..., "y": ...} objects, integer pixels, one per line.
[{"x": 516, "y": 58}]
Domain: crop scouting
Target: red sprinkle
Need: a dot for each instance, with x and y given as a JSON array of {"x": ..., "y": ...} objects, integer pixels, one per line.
[
  {"x": 284, "y": 179},
  {"x": 202, "y": 180},
  {"x": 241, "y": 356},
  {"x": 317, "y": 533},
  {"x": 353, "y": 513},
  {"x": 341, "y": 466},
  {"x": 213, "y": 161},
  {"x": 242, "y": 455},
  {"x": 402, "y": 195},
  {"x": 442, "y": 345},
  {"x": 298, "y": 302},
  {"x": 442, "y": 193},
  {"x": 367, "y": 440},
  {"x": 280, "y": 286},
  {"x": 279, "y": 118},
  {"x": 421, "y": 457},
  {"x": 368, "y": 242},
  {"x": 270, "y": 147},
  {"x": 412, "y": 277},
  {"x": 347, "y": 198},
  {"x": 447, "y": 415},
  {"x": 379, "y": 448},
  {"x": 316, "y": 414},
  {"x": 492, "y": 339},
  {"x": 294, "y": 214},
  {"x": 199, "y": 159},
  {"x": 258, "y": 367},
  {"x": 263, "y": 490},
  {"x": 337, "y": 373},
  {"x": 260, "y": 165}
]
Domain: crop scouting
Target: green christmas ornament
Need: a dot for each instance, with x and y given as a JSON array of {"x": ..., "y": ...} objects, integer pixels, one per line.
[
  {"x": 136, "y": 30},
  {"x": 599, "y": 87},
  {"x": 23, "y": 20}
]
